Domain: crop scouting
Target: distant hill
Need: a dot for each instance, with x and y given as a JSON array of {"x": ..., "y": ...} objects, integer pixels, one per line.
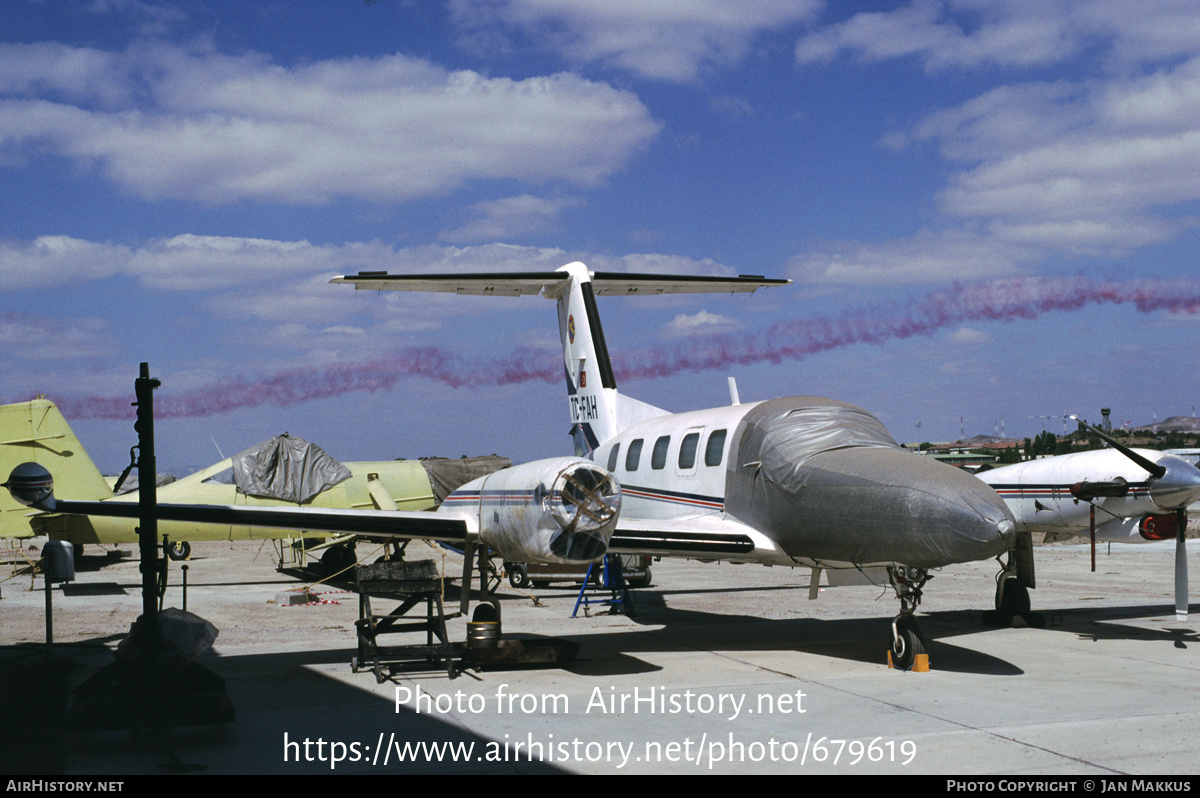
[
  {"x": 1172, "y": 424},
  {"x": 983, "y": 440}
]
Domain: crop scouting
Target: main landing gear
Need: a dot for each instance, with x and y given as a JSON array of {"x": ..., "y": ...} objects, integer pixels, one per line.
[
  {"x": 1012, "y": 594},
  {"x": 179, "y": 550},
  {"x": 908, "y": 641}
]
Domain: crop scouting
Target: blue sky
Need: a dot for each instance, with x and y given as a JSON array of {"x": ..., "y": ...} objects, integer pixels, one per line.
[{"x": 988, "y": 209}]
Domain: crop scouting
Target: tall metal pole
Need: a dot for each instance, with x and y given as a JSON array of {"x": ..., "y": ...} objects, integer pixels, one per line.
[{"x": 143, "y": 388}]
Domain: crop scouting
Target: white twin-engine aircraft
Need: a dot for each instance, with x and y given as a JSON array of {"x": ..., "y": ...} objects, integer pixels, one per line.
[
  {"x": 798, "y": 481},
  {"x": 1120, "y": 495}
]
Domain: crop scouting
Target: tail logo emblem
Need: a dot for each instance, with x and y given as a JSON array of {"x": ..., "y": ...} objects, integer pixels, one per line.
[{"x": 571, "y": 328}]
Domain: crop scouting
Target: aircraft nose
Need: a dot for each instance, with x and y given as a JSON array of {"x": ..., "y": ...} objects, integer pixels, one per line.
[
  {"x": 890, "y": 505},
  {"x": 1179, "y": 486}
]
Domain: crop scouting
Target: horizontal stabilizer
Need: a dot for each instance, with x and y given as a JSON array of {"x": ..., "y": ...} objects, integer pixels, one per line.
[{"x": 549, "y": 283}]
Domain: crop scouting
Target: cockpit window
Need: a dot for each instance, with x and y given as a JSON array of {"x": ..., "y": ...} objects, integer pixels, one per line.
[{"x": 796, "y": 434}]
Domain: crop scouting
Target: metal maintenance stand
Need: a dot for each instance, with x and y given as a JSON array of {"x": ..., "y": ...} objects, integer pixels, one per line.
[
  {"x": 411, "y": 582},
  {"x": 611, "y": 579}
]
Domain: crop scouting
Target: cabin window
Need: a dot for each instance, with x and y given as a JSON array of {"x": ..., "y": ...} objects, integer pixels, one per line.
[
  {"x": 715, "y": 448},
  {"x": 658, "y": 458},
  {"x": 687, "y": 451},
  {"x": 633, "y": 454},
  {"x": 612, "y": 457}
]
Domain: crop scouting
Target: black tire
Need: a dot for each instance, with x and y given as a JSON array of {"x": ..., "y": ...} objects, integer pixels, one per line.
[
  {"x": 907, "y": 643},
  {"x": 518, "y": 574},
  {"x": 179, "y": 550},
  {"x": 339, "y": 558},
  {"x": 642, "y": 581},
  {"x": 1016, "y": 598}
]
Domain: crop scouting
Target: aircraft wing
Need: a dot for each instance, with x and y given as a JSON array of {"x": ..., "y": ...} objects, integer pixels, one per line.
[
  {"x": 692, "y": 537},
  {"x": 383, "y": 524},
  {"x": 557, "y": 510},
  {"x": 523, "y": 283},
  {"x": 695, "y": 537}
]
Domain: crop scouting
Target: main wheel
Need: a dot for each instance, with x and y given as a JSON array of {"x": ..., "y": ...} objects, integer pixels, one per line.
[
  {"x": 179, "y": 550},
  {"x": 907, "y": 642},
  {"x": 1015, "y": 600},
  {"x": 518, "y": 574},
  {"x": 642, "y": 581},
  {"x": 339, "y": 559}
]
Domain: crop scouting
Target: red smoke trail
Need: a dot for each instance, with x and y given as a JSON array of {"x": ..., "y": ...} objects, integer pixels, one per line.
[
  {"x": 997, "y": 301},
  {"x": 790, "y": 340}
]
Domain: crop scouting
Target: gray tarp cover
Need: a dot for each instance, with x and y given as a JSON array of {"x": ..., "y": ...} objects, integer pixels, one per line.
[
  {"x": 447, "y": 476},
  {"x": 776, "y": 440},
  {"x": 286, "y": 468},
  {"x": 827, "y": 477},
  {"x": 793, "y": 435}
]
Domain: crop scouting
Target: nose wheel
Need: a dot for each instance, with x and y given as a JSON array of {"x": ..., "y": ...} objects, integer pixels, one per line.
[
  {"x": 908, "y": 643},
  {"x": 908, "y": 650}
]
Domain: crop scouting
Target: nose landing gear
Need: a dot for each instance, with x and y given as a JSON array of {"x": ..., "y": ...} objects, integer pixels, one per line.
[{"x": 908, "y": 648}]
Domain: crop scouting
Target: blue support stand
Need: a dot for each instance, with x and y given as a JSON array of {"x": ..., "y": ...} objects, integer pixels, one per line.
[{"x": 611, "y": 581}]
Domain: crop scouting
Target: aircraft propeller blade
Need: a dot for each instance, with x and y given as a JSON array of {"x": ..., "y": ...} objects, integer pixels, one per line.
[
  {"x": 1181, "y": 569},
  {"x": 1153, "y": 469}
]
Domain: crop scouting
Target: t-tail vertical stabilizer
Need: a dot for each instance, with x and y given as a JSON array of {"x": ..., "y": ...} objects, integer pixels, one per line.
[
  {"x": 598, "y": 412},
  {"x": 591, "y": 386}
]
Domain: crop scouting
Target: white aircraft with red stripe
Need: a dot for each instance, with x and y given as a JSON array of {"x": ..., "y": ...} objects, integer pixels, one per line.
[
  {"x": 1120, "y": 495},
  {"x": 799, "y": 481}
]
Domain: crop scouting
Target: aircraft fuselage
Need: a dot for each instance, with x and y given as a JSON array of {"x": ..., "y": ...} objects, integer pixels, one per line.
[
  {"x": 811, "y": 481},
  {"x": 1055, "y": 495}
]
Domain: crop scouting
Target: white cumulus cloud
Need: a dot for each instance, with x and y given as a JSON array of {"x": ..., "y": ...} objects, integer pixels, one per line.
[{"x": 163, "y": 121}]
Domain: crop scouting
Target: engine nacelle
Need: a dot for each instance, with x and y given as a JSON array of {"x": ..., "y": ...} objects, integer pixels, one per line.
[
  {"x": 561, "y": 510},
  {"x": 1146, "y": 529}
]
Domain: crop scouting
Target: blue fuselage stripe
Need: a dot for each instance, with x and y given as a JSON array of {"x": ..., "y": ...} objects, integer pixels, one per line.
[
  {"x": 495, "y": 496},
  {"x": 675, "y": 497}
]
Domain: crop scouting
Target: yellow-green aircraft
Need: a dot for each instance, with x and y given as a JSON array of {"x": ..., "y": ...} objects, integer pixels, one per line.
[{"x": 283, "y": 472}]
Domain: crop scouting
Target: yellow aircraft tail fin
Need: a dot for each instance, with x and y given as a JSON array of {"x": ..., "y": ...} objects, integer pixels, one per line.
[{"x": 37, "y": 432}]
